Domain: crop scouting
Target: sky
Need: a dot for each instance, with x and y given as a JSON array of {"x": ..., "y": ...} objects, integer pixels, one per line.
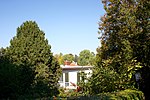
[{"x": 69, "y": 25}]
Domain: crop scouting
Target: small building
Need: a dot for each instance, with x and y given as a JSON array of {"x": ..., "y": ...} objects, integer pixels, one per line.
[{"x": 71, "y": 75}]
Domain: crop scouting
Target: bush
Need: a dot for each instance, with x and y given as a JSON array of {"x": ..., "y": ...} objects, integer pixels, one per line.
[
  {"x": 64, "y": 93},
  {"x": 127, "y": 94}
]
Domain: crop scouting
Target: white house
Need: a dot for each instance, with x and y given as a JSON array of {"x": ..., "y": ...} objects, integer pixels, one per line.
[{"x": 71, "y": 75}]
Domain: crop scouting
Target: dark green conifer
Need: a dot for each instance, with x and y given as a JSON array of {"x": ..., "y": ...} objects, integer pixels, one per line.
[{"x": 31, "y": 52}]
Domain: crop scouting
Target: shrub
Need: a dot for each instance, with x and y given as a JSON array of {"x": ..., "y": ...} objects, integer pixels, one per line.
[{"x": 127, "y": 94}]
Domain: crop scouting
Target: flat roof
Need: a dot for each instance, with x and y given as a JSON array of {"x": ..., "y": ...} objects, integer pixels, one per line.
[{"x": 67, "y": 67}]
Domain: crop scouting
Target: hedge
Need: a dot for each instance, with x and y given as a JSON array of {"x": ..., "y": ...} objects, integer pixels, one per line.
[
  {"x": 120, "y": 95},
  {"x": 123, "y": 95}
]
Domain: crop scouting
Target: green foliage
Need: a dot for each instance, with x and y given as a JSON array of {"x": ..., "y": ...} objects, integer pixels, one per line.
[
  {"x": 9, "y": 81},
  {"x": 76, "y": 58},
  {"x": 15, "y": 80},
  {"x": 29, "y": 50},
  {"x": 68, "y": 93},
  {"x": 123, "y": 95},
  {"x": 68, "y": 57},
  {"x": 59, "y": 58},
  {"x": 107, "y": 77},
  {"x": 124, "y": 45},
  {"x": 84, "y": 83},
  {"x": 103, "y": 80},
  {"x": 120, "y": 95},
  {"x": 86, "y": 58}
]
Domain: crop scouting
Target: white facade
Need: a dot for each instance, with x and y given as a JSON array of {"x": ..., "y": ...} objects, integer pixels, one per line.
[{"x": 70, "y": 75}]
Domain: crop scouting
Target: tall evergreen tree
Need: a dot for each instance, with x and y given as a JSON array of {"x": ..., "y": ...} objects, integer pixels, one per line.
[
  {"x": 30, "y": 50},
  {"x": 124, "y": 40}
]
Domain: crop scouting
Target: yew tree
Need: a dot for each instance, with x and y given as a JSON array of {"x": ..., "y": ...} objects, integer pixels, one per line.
[{"x": 31, "y": 52}]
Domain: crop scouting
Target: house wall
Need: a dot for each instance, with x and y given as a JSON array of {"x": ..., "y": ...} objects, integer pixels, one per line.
[
  {"x": 62, "y": 83},
  {"x": 73, "y": 77}
]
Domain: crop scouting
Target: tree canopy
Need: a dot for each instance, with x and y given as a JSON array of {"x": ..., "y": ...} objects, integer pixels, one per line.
[
  {"x": 31, "y": 52},
  {"x": 68, "y": 57},
  {"x": 59, "y": 58},
  {"x": 125, "y": 44},
  {"x": 86, "y": 58}
]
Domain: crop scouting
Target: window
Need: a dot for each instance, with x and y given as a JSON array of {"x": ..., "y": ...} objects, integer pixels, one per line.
[
  {"x": 66, "y": 79},
  {"x": 78, "y": 77},
  {"x": 61, "y": 78}
]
